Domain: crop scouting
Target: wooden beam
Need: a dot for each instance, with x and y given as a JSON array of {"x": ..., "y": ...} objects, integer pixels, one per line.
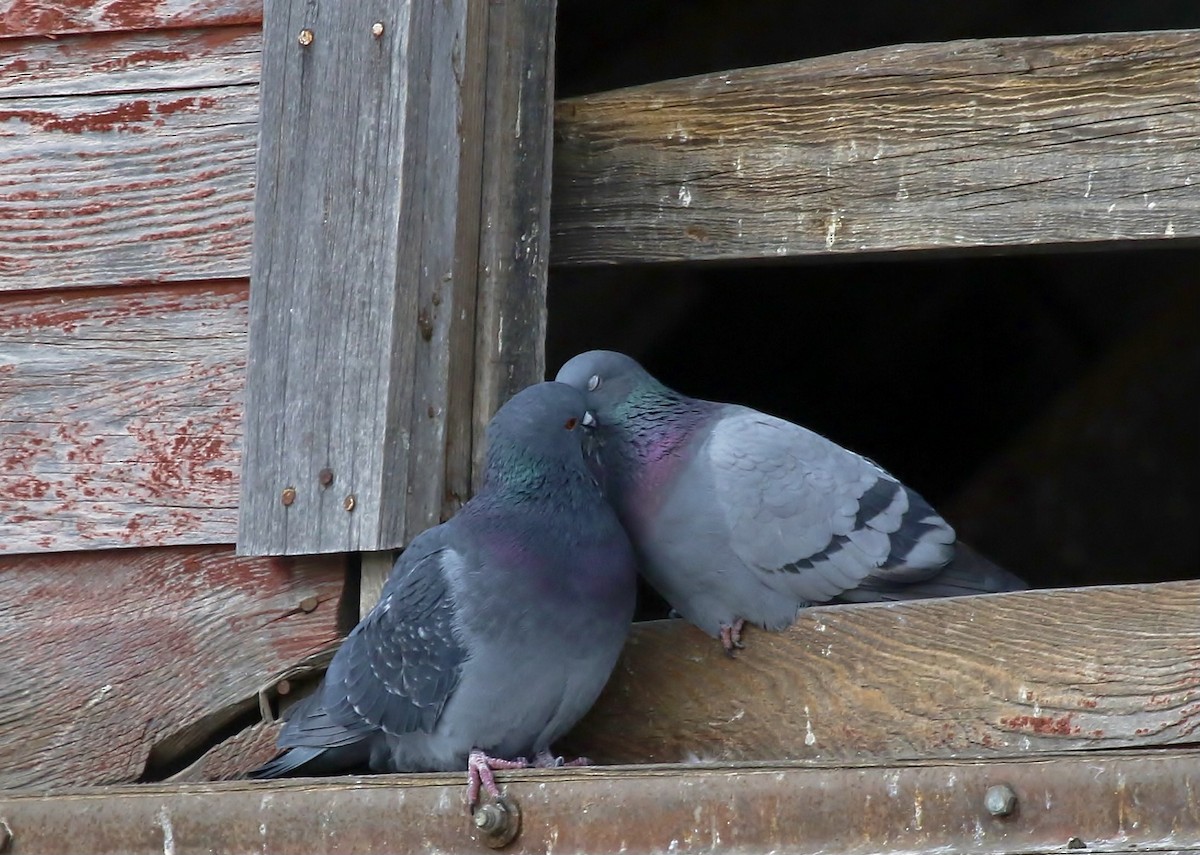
[
  {"x": 57, "y": 17},
  {"x": 997, "y": 675},
  {"x": 965, "y": 145},
  {"x": 1108, "y": 802},
  {"x": 146, "y": 177},
  {"x": 121, "y": 422},
  {"x": 124, "y": 657},
  {"x": 510, "y": 326},
  {"x": 364, "y": 277}
]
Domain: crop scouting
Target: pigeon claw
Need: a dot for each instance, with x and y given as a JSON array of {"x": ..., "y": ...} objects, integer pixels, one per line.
[
  {"x": 731, "y": 637},
  {"x": 479, "y": 774},
  {"x": 546, "y": 759}
]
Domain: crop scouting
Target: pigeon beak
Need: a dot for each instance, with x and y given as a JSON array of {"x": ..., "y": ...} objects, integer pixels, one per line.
[{"x": 588, "y": 419}]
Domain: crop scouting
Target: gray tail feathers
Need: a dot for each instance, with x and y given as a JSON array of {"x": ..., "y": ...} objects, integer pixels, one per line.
[
  {"x": 967, "y": 573},
  {"x": 286, "y": 763},
  {"x": 314, "y": 760}
]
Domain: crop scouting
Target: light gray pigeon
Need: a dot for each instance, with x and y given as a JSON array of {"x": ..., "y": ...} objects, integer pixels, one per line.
[
  {"x": 739, "y": 516},
  {"x": 495, "y": 631}
]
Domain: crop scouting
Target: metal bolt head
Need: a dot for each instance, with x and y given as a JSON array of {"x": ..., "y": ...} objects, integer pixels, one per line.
[
  {"x": 288, "y": 496},
  {"x": 499, "y": 822},
  {"x": 377, "y": 29},
  {"x": 1000, "y": 800},
  {"x": 306, "y": 37},
  {"x": 349, "y": 502}
]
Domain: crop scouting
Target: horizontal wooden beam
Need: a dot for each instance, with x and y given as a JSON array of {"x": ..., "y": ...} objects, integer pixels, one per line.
[
  {"x": 122, "y": 416},
  {"x": 119, "y": 659},
  {"x": 57, "y": 17},
  {"x": 988, "y": 144},
  {"x": 1104, "y": 802},
  {"x": 1006, "y": 674}
]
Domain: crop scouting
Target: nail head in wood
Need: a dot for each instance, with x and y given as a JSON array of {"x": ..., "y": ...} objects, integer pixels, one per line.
[
  {"x": 306, "y": 37},
  {"x": 288, "y": 496},
  {"x": 283, "y": 687},
  {"x": 499, "y": 822},
  {"x": 309, "y": 604},
  {"x": 1000, "y": 800},
  {"x": 377, "y": 29},
  {"x": 325, "y": 477},
  {"x": 348, "y": 502}
]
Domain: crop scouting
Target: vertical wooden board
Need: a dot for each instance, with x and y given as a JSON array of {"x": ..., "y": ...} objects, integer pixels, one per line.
[
  {"x": 108, "y": 654},
  {"x": 128, "y": 187},
  {"x": 515, "y": 241},
  {"x": 120, "y": 416},
  {"x": 55, "y": 17},
  {"x": 358, "y": 286}
]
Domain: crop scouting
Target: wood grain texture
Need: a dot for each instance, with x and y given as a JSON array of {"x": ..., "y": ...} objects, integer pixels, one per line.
[
  {"x": 997, "y": 675},
  {"x": 120, "y": 416},
  {"x": 57, "y": 17},
  {"x": 144, "y": 180},
  {"x": 510, "y": 328},
  {"x": 110, "y": 654},
  {"x": 366, "y": 274},
  {"x": 1100, "y": 802},
  {"x": 971, "y": 144}
]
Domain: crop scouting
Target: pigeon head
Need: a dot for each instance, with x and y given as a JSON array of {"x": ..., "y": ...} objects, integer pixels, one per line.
[
  {"x": 612, "y": 381},
  {"x": 542, "y": 429}
]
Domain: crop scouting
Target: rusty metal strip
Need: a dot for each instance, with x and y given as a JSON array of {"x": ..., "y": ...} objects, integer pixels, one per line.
[{"x": 1108, "y": 802}]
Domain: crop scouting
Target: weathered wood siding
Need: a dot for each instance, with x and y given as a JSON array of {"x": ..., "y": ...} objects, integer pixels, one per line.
[
  {"x": 108, "y": 655},
  {"x": 973, "y": 144},
  {"x": 121, "y": 416},
  {"x": 55, "y": 17},
  {"x": 990, "y": 676}
]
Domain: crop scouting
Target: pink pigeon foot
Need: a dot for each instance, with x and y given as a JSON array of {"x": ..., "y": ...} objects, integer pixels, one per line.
[
  {"x": 731, "y": 637},
  {"x": 546, "y": 759},
  {"x": 479, "y": 774}
]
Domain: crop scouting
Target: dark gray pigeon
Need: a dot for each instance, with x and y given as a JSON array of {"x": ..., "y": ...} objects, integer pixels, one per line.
[
  {"x": 739, "y": 516},
  {"x": 495, "y": 631}
]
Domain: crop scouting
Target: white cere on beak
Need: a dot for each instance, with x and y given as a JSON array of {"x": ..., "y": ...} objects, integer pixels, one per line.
[
  {"x": 588, "y": 419},
  {"x": 593, "y": 382}
]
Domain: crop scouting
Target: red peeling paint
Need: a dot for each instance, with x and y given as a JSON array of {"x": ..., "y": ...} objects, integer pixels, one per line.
[{"x": 1043, "y": 725}]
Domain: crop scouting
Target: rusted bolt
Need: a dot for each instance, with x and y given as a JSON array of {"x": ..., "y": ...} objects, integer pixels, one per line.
[
  {"x": 6, "y": 836},
  {"x": 1000, "y": 800},
  {"x": 377, "y": 29},
  {"x": 288, "y": 496},
  {"x": 283, "y": 687},
  {"x": 309, "y": 604},
  {"x": 349, "y": 502},
  {"x": 325, "y": 477},
  {"x": 499, "y": 822},
  {"x": 306, "y": 37}
]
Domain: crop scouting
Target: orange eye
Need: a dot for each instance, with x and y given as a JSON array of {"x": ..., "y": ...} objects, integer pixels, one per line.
[{"x": 570, "y": 425}]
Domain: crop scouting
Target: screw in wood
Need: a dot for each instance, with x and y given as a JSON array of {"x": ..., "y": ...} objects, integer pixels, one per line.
[
  {"x": 1000, "y": 800},
  {"x": 306, "y": 37},
  {"x": 377, "y": 29},
  {"x": 349, "y": 502},
  {"x": 288, "y": 496},
  {"x": 325, "y": 477}
]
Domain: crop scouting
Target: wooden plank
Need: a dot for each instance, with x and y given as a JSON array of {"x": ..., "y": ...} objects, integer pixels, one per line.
[
  {"x": 130, "y": 62},
  {"x": 115, "y": 656},
  {"x": 1004, "y": 674},
  {"x": 1106, "y": 802},
  {"x": 510, "y": 327},
  {"x": 57, "y": 17},
  {"x": 356, "y": 291},
  {"x": 127, "y": 187},
  {"x": 972, "y": 144},
  {"x": 121, "y": 416}
]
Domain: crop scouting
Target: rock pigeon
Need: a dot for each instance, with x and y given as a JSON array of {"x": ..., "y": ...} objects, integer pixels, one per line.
[
  {"x": 740, "y": 516},
  {"x": 495, "y": 631}
]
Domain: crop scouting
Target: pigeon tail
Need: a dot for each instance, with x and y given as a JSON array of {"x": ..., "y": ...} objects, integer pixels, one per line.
[
  {"x": 311, "y": 760},
  {"x": 967, "y": 573}
]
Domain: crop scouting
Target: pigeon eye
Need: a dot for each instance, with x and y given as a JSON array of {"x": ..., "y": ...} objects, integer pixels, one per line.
[
  {"x": 593, "y": 382},
  {"x": 570, "y": 423}
]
